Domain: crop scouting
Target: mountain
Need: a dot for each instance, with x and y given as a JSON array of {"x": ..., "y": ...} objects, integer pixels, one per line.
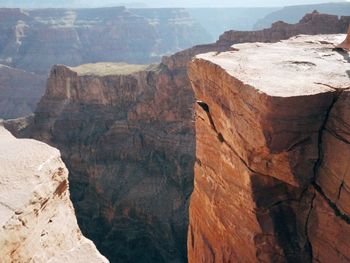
[{"x": 292, "y": 14}]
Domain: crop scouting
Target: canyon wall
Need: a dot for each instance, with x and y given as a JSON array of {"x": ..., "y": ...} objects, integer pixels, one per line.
[
  {"x": 311, "y": 24},
  {"x": 271, "y": 171},
  {"x": 36, "y": 39},
  {"x": 126, "y": 133},
  {"x": 37, "y": 219},
  {"x": 31, "y": 41},
  {"x": 292, "y": 14},
  {"x": 20, "y": 91}
]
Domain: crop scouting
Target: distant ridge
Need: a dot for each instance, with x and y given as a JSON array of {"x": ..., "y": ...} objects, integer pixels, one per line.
[{"x": 292, "y": 14}]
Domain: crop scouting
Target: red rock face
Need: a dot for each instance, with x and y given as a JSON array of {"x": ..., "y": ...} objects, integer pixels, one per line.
[
  {"x": 271, "y": 167},
  {"x": 128, "y": 143},
  {"x": 330, "y": 211},
  {"x": 310, "y": 24}
]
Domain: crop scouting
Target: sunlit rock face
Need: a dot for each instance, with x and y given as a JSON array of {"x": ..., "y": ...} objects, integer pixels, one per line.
[
  {"x": 271, "y": 166},
  {"x": 311, "y": 24},
  {"x": 37, "y": 219}
]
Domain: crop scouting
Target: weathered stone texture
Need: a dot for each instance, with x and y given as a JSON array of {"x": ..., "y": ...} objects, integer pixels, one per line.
[
  {"x": 37, "y": 219},
  {"x": 271, "y": 171}
]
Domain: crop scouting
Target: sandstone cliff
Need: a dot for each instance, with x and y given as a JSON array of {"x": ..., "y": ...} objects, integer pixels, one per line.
[
  {"x": 292, "y": 14},
  {"x": 272, "y": 148},
  {"x": 37, "y": 218},
  {"x": 311, "y": 24},
  {"x": 127, "y": 136}
]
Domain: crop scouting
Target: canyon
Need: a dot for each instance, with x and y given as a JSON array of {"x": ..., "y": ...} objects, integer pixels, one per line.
[
  {"x": 37, "y": 218},
  {"x": 32, "y": 40},
  {"x": 130, "y": 138}
]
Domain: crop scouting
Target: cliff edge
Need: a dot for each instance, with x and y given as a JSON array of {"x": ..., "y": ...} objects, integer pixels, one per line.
[
  {"x": 271, "y": 172},
  {"x": 37, "y": 218}
]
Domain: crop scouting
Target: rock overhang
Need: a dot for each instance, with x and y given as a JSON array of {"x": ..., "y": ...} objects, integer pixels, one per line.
[
  {"x": 37, "y": 219},
  {"x": 270, "y": 101},
  {"x": 300, "y": 66},
  {"x": 272, "y": 140}
]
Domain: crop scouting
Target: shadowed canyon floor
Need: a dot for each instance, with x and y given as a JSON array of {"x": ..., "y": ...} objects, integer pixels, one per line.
[{"x": 129, "y": 142}]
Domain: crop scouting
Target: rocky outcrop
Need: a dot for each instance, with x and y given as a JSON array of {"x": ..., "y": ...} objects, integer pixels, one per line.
[
  {"x": 311, "y": 24},
  {"x": 37, "y": 219},
  {"x": 126, "y": 136},
  {"x": 271, "y": 153},
  {"x": 292, "y": 14}
]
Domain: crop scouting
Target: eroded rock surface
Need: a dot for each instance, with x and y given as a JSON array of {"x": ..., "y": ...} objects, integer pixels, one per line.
[
  {"x": 271, "y": 153},
  {"x": 311, "y": 24},
  {"x": 126, "y": 136},
  {"x": 37, "y": 219}
]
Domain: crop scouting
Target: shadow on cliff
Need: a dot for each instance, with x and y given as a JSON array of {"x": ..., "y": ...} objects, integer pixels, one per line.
[{"x": 346, "y": 57}]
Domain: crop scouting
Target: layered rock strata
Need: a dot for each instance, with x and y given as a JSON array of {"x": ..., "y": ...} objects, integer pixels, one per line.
[
  {"x": 126, "y": 136},
  {"x": 36, "y": 39},
  {"x": 32, "y": 41},
  {"x": 292, "y": 14},
  {"x": 37, "y": 219},
  {"x": 311, "y": 24},
  {"x": 271, "y": 153},
  {"x": 28, "y": 41}
]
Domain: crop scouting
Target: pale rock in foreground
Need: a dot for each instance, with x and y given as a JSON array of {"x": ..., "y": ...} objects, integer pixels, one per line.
[{"x": 37, "y": 219}]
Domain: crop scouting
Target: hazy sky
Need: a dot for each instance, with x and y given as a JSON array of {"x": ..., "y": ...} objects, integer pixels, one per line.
[
  {"x": 163, "y": 3},
  {"x": 232, "y": 2}
]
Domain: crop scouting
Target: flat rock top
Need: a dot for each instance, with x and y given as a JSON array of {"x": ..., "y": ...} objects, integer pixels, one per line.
[
  {"x": 107, "y": 69},
  {"x": 302, "y": 65},
  {"x": 24, "y": 164}
]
